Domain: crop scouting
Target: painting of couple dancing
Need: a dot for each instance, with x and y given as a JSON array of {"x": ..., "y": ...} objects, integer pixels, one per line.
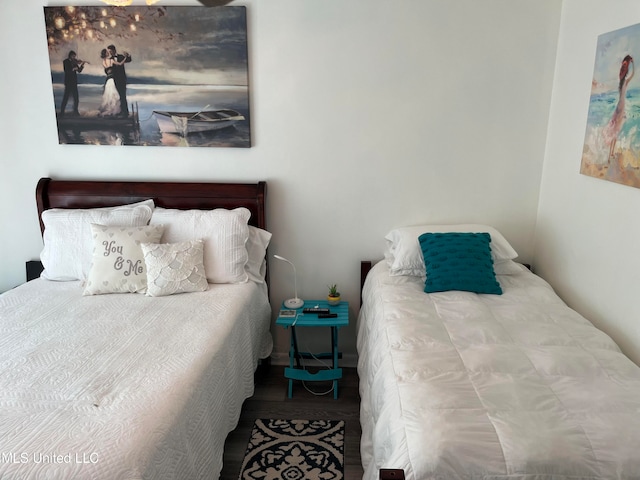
[
  {"x": 114, "y": 94},
  {"x": 117, "y": 72},
  {"x": 611, "y": 148}
]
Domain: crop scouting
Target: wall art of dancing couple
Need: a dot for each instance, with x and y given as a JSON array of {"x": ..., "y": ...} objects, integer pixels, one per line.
[
  {"x": 612, "y": 140},
  {"x": 150, "y": 76}
]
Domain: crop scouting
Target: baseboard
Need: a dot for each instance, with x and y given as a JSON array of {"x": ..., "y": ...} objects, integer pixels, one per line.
[{"x": 349, "y": 360}]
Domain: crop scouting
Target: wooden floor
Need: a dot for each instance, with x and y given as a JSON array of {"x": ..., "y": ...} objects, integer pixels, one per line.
[{"x": 270, "y": 401}]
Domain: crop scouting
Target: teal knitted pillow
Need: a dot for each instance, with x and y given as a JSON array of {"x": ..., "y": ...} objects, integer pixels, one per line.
[{"x": 458, "y": 261}]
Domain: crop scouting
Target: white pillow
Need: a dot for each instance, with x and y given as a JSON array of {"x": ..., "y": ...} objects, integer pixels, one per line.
[
  {"x": 118, "y": 263},
  {"x": 404, "y": 255},
  {"x": 68, "y": 240},
  {"x": 224, "y": 232},
  {"x": 257, "y": 244},
  {"x": 508, "y": 267},
  {"x": 174, "y": 268}
]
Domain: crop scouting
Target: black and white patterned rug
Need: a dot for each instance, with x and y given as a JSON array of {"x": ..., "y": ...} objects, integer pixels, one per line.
[{"x": 295, "y": 450}]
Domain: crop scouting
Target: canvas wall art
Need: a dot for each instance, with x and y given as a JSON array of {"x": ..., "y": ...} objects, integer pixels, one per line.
[
  {"x": 611, "y": 148},
  {"x": 150, "y": 76}
]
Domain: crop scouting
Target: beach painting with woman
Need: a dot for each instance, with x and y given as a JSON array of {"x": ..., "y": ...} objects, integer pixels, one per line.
[
  {"x": 611, "y": 148},
  {"x": 113, "y": 68}
]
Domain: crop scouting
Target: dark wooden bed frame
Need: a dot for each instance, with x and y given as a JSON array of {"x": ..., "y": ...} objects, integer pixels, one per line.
[
  {"x": 52, "y": 193},
  {"x": 365, "y": 267},
  {"x": 205, "y": 196}
]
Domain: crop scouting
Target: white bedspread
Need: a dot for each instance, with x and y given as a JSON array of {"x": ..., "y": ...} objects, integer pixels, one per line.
[
  {"x": 462, "y": 386},
  {"x": 124, "y": 386}
]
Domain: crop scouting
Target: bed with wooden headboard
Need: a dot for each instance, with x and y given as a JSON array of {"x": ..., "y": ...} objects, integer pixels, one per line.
[
  {"x": 131, "y": 385},
  {"x": 471, "y": 366}
]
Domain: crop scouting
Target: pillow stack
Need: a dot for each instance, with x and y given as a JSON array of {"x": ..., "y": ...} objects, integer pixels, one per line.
[
  {"x": 225, "y": 234},
  {"x": 68, "y": 240},
  {"x": 157, "y": 251},
  {"x": 464, "y": 257}
]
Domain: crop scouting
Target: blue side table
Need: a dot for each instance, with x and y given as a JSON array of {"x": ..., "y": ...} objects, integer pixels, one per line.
[{"x": 300, "y": 319}]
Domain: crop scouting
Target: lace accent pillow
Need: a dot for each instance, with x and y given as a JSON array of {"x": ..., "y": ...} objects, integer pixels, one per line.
[
  {"x": 118, "y": 264},
  {"x": 174, "y": 268}
]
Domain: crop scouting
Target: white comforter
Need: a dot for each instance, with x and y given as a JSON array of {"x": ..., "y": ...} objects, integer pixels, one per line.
[
  {"x": 124, "y": 386},
  {"x": 462, "y": 386}
]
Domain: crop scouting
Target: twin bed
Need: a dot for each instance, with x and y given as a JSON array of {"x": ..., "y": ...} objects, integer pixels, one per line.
[
  {"x": 463, "y": 385},
  {"x": 127, "y": 385}
]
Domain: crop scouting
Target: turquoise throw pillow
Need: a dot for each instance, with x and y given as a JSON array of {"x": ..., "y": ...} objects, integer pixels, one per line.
[{"x": 459, "y": 261}]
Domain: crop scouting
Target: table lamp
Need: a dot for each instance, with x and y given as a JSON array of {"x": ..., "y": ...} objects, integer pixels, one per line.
[{"x": 294, "y": 302}]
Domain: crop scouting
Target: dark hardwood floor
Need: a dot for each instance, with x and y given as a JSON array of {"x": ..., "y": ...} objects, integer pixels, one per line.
[{"x": 270, "y": 401}]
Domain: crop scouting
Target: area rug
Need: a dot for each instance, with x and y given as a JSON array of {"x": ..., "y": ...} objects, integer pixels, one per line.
[{"x": 295, "y": 450}]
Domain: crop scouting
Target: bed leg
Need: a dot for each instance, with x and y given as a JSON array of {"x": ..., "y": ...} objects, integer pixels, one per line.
[
  {"x": 264, "y": 365},
  {"x": 391, "y": 474}
]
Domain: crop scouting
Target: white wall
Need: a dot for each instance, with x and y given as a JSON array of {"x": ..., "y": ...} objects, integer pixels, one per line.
[
  {"x": 366, "y": 114},
  {"x": 588, "y": 233}
]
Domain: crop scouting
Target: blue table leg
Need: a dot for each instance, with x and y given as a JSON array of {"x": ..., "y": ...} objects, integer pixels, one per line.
[
  {"x": 334, "y": 351},
  {"x": 297, "y": 372},
  {"x": 293, "y": 354}
]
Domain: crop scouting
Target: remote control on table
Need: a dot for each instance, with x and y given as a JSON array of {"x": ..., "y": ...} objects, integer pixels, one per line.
[
  {"x": 328, "y": 315},
  {"x": 316, "y": 310}
]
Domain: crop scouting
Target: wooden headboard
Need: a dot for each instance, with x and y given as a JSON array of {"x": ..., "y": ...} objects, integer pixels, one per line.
[{"x": 205, "y": 196}]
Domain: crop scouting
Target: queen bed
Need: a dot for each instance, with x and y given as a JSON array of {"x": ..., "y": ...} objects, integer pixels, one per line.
[
  {"x": 101, "y": 383},
  {"x": 510, "y": 384}
]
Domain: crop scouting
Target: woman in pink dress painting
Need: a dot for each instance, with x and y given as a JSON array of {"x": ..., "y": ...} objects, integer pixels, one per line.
[{"x": 612, "y": 130}]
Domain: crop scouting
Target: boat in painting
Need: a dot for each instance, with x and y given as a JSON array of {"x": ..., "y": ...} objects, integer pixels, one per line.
[{"x": 184, "y": 123}]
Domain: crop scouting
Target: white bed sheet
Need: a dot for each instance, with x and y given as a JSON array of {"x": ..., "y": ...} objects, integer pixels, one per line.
[
  {"x": 462, "y": 386},
  {"x": 124, "y": 386}
]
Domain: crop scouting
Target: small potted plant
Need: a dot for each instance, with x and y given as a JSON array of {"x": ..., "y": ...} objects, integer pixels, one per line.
[{"x": 334, "y": 295}]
